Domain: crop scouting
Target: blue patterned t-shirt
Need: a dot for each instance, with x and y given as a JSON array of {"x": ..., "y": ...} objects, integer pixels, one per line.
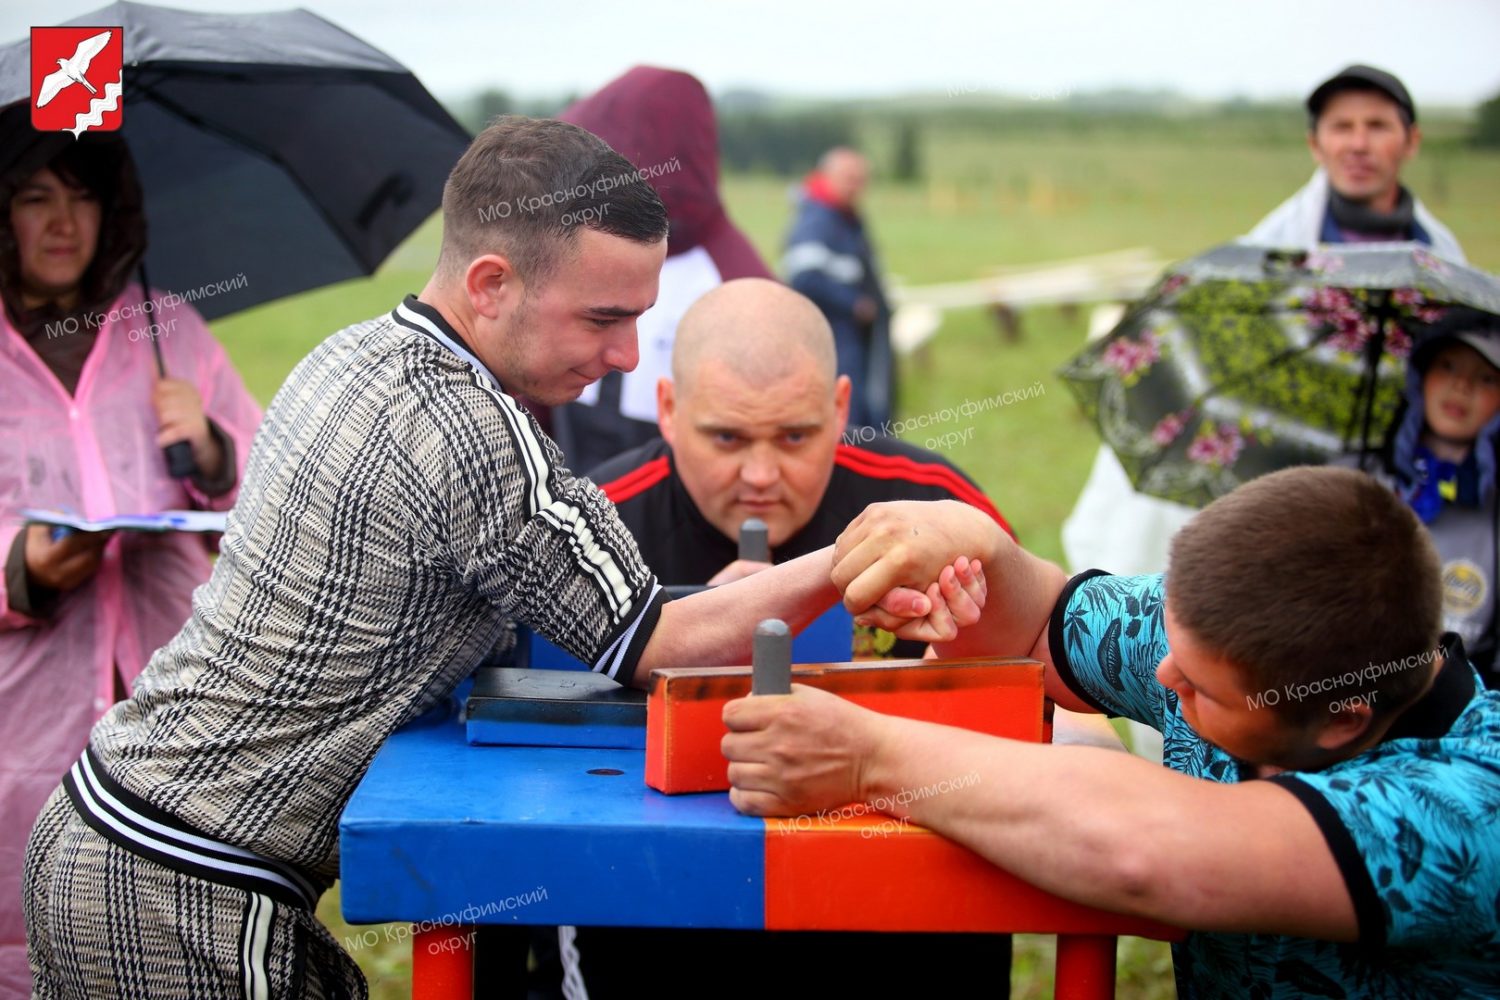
[{"x": 1413, "y": 822}]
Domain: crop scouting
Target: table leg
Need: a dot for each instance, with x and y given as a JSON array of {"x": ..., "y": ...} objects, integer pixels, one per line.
[
  {"x": 500, "y": 958},
  {"x": 442, "y": 964},
  {"x": 1085, "y": 967}
]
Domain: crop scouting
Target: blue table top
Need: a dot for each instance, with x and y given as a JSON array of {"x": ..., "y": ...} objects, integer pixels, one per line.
[{"x": 441, "y": 830}]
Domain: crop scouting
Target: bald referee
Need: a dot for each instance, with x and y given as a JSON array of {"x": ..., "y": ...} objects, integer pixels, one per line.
[
  {"x": 398, "y": 512},
  {"x": 752, "y": 425}
]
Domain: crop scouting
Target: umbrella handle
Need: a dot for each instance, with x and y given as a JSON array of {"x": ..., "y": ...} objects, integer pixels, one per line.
[
  {"x": 179, "y": 455},
  {"x": 1374, "y": 348},
  {"x": 180, "y": 462}
]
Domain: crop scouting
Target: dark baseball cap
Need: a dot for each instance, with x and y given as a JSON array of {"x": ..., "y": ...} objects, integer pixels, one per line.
[
  {"x": 1359, "y": 77},
  {"x": 1479, "y": 330}
]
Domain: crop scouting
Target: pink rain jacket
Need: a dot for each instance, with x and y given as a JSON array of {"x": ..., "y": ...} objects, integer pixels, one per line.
[{"x": 94, "y": 453}]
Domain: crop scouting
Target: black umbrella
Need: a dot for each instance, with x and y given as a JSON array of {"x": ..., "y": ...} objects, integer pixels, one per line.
[
  {"x": 1245, "y": 360},
  {"x": 277, "y": 152}
]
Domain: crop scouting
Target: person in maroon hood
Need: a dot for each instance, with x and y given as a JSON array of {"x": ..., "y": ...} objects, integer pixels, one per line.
[{"x": 662, "y": 121}]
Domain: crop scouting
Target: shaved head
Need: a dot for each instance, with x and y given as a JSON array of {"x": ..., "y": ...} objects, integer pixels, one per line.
[
  {"x": 760, "y": 331},
  {"x": 755, "y": 406}
]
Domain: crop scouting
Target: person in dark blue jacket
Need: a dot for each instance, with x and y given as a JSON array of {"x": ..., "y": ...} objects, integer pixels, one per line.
[{"x": 829, "y": 258}]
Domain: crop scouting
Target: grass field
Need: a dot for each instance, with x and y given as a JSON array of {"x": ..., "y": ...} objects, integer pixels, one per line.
[{"x": 992, "y": 199}]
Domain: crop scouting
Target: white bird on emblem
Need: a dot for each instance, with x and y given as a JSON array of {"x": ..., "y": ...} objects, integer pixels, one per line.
[{"x": 71, "y": 70}]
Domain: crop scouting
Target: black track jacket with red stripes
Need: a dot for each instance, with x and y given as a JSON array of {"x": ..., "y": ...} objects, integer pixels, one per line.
[{"x": 682, "y": 547}]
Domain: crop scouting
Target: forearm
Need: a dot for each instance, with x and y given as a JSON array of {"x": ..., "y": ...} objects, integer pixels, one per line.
[
  {"x": 829, "y": 295},
  {"x": 1023, "y": 590},
  {"x": 717, "y": 627},
  {"x": 1111, "y": 830},
  {"x": 1080, "y": 822},
  {"x": 217, "y": 470}
]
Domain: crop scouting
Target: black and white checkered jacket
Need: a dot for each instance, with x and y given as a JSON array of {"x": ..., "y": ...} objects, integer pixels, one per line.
[{"x": 397, "y": 510}]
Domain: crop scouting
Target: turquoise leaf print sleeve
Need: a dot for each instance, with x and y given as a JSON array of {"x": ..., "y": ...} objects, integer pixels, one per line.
[{"x": 1107, "y": 635}]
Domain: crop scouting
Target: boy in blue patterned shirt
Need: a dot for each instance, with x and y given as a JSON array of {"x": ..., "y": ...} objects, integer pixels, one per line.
[{"x": 1328, "y": 822}]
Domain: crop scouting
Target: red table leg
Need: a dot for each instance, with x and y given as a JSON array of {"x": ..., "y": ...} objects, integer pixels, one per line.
[
  {"x": 442, "y": 964},
  {"x": 1085, "y": 967}
]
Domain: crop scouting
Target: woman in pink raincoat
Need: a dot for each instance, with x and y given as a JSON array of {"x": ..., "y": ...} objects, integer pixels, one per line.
[{"x": 83, "y": 420}]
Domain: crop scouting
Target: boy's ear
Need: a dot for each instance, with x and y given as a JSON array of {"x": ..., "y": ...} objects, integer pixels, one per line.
[{"x": 1348, "y": 725}]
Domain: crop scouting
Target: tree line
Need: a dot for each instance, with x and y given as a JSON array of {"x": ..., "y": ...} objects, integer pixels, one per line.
[{"x": 759, "y": 135}]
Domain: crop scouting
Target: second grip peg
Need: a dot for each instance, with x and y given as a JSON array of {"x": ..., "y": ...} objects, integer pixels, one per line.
[{"x": 771, "y": 662}]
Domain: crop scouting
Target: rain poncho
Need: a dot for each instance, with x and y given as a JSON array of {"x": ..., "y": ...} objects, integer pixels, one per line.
[
  {"x": 93, "y": 452},
  {"x": 1298, "y": 222}
]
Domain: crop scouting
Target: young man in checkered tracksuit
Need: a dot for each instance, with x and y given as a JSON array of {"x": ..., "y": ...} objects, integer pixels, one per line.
[{"x": 398, "y": 510}]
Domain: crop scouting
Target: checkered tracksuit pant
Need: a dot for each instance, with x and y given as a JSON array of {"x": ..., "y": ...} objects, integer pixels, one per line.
[{"x": 112, "y": 883}]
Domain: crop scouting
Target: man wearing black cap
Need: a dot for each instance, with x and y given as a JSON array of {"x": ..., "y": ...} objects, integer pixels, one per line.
[{"x": 1362, "y": 128}]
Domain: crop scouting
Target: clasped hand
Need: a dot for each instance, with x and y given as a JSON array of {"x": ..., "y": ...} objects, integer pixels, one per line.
[
  {"x": 898, "y": 567},
  {"x": 914, "y": 568}
]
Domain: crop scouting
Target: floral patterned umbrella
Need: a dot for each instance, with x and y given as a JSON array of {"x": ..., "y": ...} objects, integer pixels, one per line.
[{"x": 1245, "y": 360}]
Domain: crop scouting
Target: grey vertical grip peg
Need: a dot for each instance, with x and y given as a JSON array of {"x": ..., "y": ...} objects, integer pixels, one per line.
[
  {"x": 771, "y": 663},
  {"x": 755, "y": 540}
]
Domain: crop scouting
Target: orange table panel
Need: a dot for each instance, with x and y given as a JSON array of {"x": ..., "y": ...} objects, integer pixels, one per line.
[
  {"x": 826, "y": 872},
  {"x": 685, "y": 706}
]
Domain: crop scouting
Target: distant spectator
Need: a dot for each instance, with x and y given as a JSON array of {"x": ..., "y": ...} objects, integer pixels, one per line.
[
  {"x": 1362, "y": 129},
  {"x": 662, "y": 121},
  {"x": 829, "y": 258}
]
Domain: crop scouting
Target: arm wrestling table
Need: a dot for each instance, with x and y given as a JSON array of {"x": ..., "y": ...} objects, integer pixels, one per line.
[{"x": 448, "y": 835}]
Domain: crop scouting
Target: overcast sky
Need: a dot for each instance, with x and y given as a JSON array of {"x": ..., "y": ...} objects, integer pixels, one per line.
[{"x": 1448, "y": 52}]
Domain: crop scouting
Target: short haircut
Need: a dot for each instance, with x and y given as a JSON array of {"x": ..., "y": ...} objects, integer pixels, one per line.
[
  {"x": 1306, "y": 575},
  {"x": 526, "y": 185}
]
